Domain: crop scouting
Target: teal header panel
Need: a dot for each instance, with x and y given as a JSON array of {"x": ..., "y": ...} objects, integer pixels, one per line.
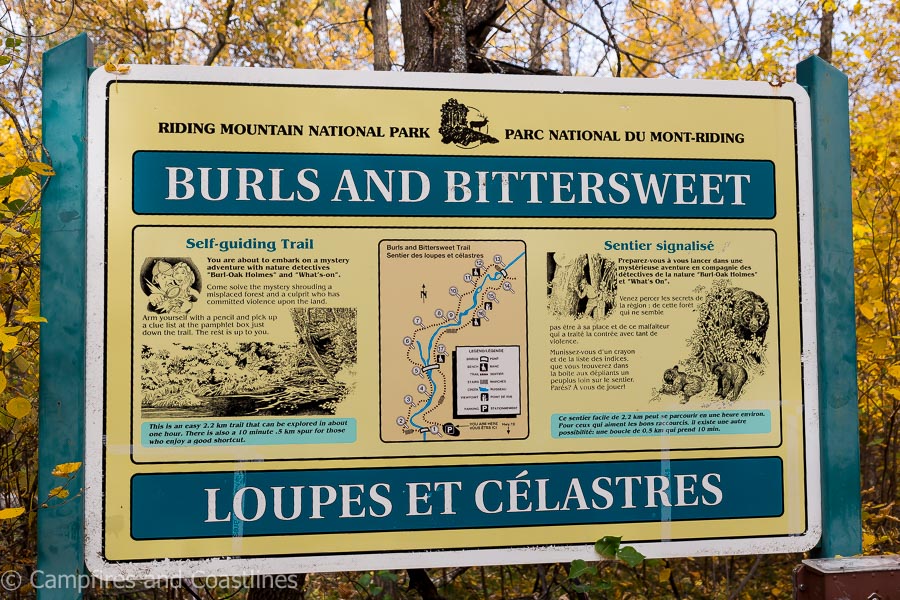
[
  {"x": 438, "y": 186},
  {"x": 402, "y": 499}
]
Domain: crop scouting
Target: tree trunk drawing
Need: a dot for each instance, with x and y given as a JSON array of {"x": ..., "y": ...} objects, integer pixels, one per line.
[
  {"x": 300, "y": 316},
  {"x": 602, "y": 275},
  {"x": 564, "y": 287},
  {"x": 595, "y": 268}
]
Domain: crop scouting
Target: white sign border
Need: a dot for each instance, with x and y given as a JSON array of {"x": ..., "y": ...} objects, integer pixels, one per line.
[{"x": 95, "y": 317}]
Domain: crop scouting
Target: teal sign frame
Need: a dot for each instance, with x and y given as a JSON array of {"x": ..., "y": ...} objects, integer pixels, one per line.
[{"x": 61, "y": 524}]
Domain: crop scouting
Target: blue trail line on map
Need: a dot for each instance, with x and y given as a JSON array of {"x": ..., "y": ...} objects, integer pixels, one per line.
[{"x": 425, "y": 360}]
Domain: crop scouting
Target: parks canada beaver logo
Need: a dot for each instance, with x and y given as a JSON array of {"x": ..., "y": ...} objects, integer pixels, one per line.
[{"x": 464, "y": 126}]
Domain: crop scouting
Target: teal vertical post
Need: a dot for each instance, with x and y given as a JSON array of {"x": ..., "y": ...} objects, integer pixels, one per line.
[
  {"x": 60, "y": 527},
  {"x": 835, "y": 309}
]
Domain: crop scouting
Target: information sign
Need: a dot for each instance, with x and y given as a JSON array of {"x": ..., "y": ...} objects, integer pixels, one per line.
[{"x": 358, "y": 320}]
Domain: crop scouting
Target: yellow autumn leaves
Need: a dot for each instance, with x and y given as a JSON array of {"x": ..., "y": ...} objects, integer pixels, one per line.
[
  {"x": 8, "y": 333},
  {"x": 18, "y": 407},
  {"x": 64, "y": 470},
  {"x": 11, "y": 513}
]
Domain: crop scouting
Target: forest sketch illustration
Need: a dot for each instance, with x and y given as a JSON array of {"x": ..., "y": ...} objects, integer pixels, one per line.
[
  {"x": 255, "y": 378},
  {"x": 727, "y": 348}
]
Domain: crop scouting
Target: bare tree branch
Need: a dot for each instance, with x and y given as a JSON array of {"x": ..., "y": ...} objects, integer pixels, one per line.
[{"x": 221, "y": 40}]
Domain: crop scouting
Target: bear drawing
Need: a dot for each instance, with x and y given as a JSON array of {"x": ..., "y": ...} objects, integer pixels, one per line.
[
  {"x": 731, "y": 379},
  {"x": 732, "y": 327},
  {"x": 682, "y": 383},
  {"x": 751, "y": 314}
]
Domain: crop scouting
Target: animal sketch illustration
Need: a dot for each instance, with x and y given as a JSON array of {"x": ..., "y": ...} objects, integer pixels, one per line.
[
  {"x": 171, "y": 285},
  {"x": 678, "y": 382},
  {"x": 255, "y": 378},
  {"x": 581, "y": 285},
  {"x": 727, "y": 346},
  {"x": 730, "y": 379},
  {"x": 731, "y": 327}
]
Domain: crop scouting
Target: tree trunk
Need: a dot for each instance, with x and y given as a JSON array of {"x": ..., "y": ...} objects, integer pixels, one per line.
[
  {"x": 418, "y": 38},
  {"x": 536, "y": 39},
  {"x": 448, "y": 35},
  {"x": 380, "y": 35},
  {"x": 421, "y": 582},
  {"x": 826, "y": 35},
  {"x": 448, "y": 18},
  {"x": 566, "y": 53}
]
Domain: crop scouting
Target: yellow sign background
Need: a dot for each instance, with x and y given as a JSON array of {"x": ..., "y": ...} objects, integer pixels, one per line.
[{"x": 769, "y": 248}]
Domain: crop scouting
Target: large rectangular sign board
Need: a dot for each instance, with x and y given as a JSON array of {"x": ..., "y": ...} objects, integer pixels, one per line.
[{"x": 344, "y": 321}]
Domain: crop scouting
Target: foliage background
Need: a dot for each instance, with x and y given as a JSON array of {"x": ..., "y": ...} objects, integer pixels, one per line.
[{"x": 756, "y": 40}]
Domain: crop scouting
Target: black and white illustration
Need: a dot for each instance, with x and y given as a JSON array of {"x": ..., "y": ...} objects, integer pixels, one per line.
[
  {"x": 583, "y": 286},
  {"x": 464, "y": 126},
  {"x": 685, "y": 384},
  {"x": 172, "y": 285},
  {"x": 727, "y": 348},
  {"x": 311, "y": 376}
]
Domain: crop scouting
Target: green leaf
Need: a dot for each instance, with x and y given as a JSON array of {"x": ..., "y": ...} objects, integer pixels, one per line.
[
  {"x": 631, "y": 556},
  {"x": 579, "y": 568},
  {"x": 608, "y": 546},
  {"x": 389, "y": 575},
  {"x": 5, "y": 60},
  {"x": 365, "y": 579}
]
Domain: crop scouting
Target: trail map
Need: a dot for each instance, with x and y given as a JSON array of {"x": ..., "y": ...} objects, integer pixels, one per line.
[{"x": 453, "y": 340}]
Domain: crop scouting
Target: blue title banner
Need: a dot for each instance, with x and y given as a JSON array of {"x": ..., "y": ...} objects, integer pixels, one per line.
[
  {"x": 257, "y": 503},
  {"x": 219, "y": 183}
]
